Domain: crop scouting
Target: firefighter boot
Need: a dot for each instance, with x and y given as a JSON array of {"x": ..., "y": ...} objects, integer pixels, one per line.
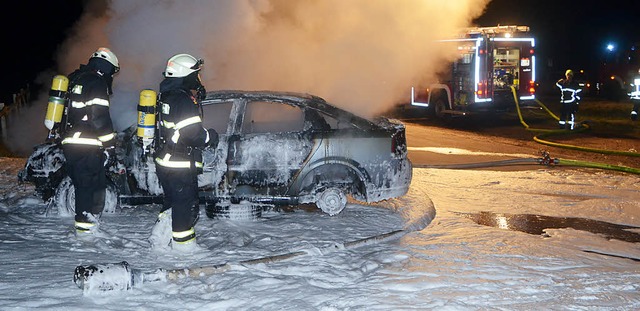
[
  {"x": 187, "y": 247},
  {"x": 185, "y": 242},
  {"x": 86, "y": 224},
  {"x": 161, "y": 232}
]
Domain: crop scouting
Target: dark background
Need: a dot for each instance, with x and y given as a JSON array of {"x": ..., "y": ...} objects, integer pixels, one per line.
[{"x": 569, "y": 34}]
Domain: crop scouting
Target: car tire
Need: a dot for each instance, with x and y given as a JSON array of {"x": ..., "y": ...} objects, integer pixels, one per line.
[
  {"x": 64, "y": 199},
  {"x": 331, "y": 201},
  {"x": 226, "y": 210}
]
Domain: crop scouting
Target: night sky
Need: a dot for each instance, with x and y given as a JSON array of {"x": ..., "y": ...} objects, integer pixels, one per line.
[{"x": 570, "y": 34}]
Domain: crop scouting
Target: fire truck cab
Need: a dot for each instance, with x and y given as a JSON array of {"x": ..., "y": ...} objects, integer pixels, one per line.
[{"x": 491, "y": 61}]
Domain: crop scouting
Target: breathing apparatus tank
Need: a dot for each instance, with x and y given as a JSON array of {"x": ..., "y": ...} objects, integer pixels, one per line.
[
  {"x": 57, "y": 101},
  {"x": 147, "y": 118}
]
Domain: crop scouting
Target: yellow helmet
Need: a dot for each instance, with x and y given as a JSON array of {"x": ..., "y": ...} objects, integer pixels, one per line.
[{"x": 568, "y": 73}]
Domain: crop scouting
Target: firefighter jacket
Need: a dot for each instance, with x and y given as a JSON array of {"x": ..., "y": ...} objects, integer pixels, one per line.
[
  {"x": 88, "y": 119},
  {"x": 569, "y": 90},
  {"x": 181, "y": 131}
]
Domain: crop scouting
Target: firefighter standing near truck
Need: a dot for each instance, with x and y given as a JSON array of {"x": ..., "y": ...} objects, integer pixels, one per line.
[
  {"x": 635, "y": 97},
  {"x": 179, "y": 157},
  {"x": 88, "y": 141},
  {"x": 569, "y": 100}
]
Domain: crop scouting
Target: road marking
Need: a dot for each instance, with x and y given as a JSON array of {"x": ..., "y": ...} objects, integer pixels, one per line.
[{"x": 458, "y": 151}]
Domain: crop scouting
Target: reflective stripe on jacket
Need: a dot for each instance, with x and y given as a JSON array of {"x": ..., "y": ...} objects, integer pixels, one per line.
[
  {"x": 569, "y": 91},
  {"x": 181, "y": 126},
  {"x": 89, "y": 121}
]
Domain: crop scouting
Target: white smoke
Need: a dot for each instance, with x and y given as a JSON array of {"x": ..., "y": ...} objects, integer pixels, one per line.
[{"x": 362, "y": 55}]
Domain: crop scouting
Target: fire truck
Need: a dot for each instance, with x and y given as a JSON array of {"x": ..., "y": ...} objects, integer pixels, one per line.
[{"x": 491, "y": 62}]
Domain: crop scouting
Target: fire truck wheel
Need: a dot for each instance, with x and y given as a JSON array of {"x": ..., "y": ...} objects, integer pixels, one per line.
[{"x": 439, "y": 108}]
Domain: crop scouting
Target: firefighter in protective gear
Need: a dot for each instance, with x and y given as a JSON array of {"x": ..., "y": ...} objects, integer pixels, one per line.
[
  {"x": 89, "y": 138},
  {"x": 182, "y": 138},
  {"x": 635, "y": 97},
  {"x": 569, "y": 99}
]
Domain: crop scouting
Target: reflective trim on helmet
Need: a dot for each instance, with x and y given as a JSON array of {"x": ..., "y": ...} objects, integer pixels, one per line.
[{"x": 76, "y": 139}]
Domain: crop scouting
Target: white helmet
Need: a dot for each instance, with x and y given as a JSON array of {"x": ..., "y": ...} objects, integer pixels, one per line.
[
  {"x": 107, "y": 55},
  {"x": 182, "y": 65}
]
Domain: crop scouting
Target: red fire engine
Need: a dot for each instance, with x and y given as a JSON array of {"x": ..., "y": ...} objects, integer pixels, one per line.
[{"x": 491, "y": 61}]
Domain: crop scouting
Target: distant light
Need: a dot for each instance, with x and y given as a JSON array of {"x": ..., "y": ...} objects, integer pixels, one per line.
[
  {"x": 610, "y": 47},
  {"x": 507, "y": 35}
]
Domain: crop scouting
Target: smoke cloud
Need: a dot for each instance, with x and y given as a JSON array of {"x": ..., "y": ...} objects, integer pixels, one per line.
[{"x": 361, "y": 55}]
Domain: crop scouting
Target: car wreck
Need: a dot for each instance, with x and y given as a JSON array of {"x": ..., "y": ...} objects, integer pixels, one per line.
[{"x": 275, "y": 148}]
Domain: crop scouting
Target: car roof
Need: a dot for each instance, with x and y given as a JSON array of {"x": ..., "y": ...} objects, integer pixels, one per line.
[{"x": 297, "y": 99}]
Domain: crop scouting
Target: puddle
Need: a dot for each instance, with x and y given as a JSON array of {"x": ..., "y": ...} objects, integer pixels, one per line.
[{"x": 536, "y": 224}]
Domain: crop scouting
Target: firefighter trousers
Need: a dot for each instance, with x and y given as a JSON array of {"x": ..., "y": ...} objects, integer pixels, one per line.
[
  {"x": 85, "y": 167},
  {"x": 180, "y": 187},
  {"x": 568, "y": 115}
]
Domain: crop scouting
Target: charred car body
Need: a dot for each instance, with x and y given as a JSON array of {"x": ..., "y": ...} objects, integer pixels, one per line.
[{"x": 275, "y": 148}]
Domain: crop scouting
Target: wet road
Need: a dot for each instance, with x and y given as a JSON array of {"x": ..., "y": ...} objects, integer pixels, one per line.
[{"x": 537, "y": 224}]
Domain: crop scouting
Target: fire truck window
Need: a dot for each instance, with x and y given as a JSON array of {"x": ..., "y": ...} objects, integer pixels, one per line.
[
  {"x": 216, "y": 116},
  {"x": 506, "y": 66},
  {"x": 270, "y": 117},
  {"x": 466, "y": 58}
]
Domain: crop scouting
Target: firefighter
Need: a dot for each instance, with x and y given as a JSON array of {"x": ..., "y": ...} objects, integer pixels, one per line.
[
  {"x": 179, "y": 158},
  {"x": 89, "y": 140},
  {"x": 635, "y": 97},
  {"x": 569, "y": 99}
]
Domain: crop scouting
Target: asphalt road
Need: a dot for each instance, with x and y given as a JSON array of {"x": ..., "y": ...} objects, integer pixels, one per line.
[{"x": 433, "y": 142}]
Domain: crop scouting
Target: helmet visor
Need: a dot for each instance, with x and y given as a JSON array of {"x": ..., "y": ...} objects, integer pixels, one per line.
[{"x": 198, "y": 64}]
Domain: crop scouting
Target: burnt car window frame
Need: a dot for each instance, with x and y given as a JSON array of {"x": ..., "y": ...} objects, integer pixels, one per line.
[{"x": 258, "y": 109}]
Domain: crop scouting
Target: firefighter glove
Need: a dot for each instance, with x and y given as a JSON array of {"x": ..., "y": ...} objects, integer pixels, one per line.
[{"x": 109, "y": 156}]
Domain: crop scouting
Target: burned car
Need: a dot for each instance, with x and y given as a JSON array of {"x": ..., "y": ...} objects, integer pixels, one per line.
[{"x": 275, "y": 148}]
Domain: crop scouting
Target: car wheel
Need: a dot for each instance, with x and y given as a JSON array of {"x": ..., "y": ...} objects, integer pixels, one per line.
[
  {"x": 64, "y": 199},
  {"x": 331, "y": 201},
  {"x": 226, "y": 210}
]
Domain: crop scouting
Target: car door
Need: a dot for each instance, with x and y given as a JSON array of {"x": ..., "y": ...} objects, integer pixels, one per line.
[
  {"x": 219, "y": 116},
  {"x": 269, "y": 148}
]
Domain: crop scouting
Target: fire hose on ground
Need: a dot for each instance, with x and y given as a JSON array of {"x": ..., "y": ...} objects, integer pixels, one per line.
[
  {"x": 122, "y": 277},
  {"x": 545, "y": 159}
]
